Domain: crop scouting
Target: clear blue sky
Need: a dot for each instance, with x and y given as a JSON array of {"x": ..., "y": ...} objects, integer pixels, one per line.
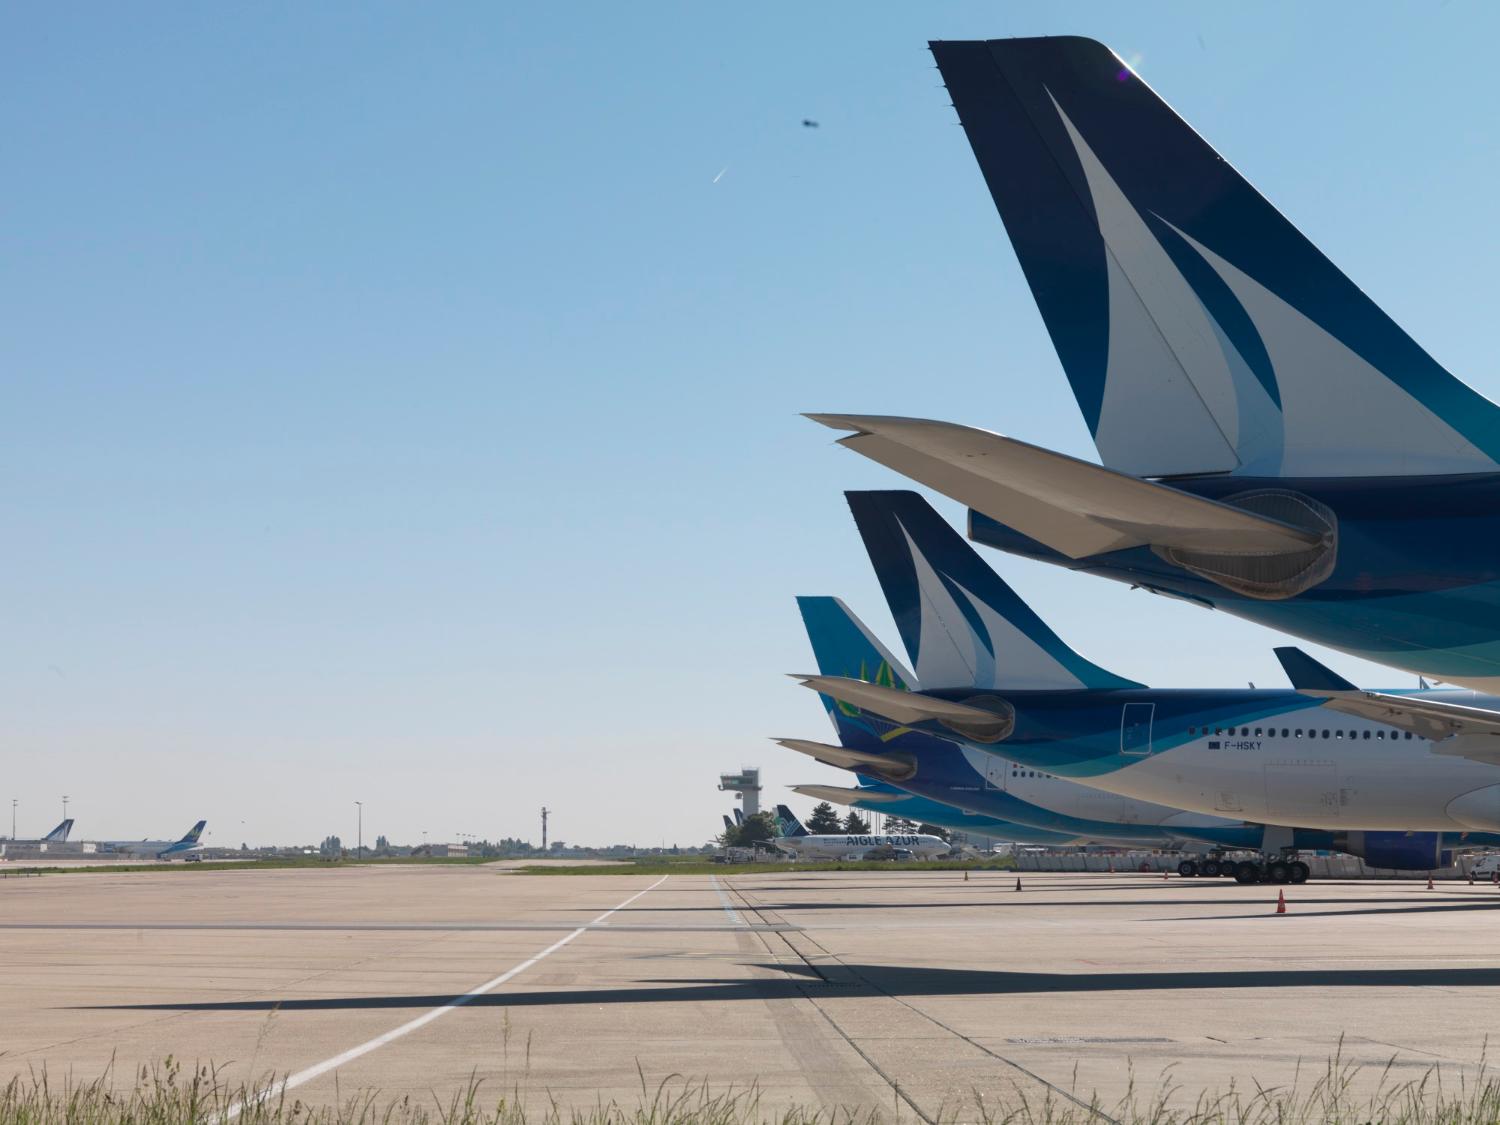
[{"x": 394, "y": 408}]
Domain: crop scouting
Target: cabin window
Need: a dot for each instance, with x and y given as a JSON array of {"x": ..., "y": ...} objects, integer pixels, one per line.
[
  {"x": 1257, "y": 732},
  {"x": 1299, "y": 732},
  {"x": 1285, "y": 732},
  {"x": 1367, "y": 736},
  {"x": 1380, "y": 734},
  {"x": 1338, "y": 734},
  {"x": 1408, "y": 736}
]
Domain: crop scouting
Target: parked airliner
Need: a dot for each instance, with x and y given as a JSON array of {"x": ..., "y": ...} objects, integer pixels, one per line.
[
  {"x": 1273, "y": 444},
  {"x": 1390, "y": 771},
  {"x": 798, "y": 841}
]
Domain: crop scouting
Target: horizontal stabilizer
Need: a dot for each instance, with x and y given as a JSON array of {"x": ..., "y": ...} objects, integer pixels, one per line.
[
  {"x": 1475, "y": 730},
  {"x": 905, "y": 707},
  {"x": 893, "y": 767},
  {"x": 839, "y": 795},
  {"x": 1072, "y": 506},
  {"x": 1307, "y": 674}
]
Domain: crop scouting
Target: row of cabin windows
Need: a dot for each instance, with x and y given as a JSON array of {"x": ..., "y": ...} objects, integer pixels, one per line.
[
  {"x": 1014, "y": 772},
  {"x": 1270, "y": 732}
]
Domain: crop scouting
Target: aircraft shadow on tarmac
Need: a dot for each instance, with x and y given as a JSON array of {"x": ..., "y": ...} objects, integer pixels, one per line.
[
  {"x": 1385, "y": 905},
  {"x": 896, "y": 980}
]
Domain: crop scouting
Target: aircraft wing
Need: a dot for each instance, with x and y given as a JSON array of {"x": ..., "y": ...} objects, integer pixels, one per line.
[
  {"x": 897, "y": 767},
  {"x": 839, "y": 795},
  {"x": 905, "y": 707},
  {"x": 1072, "y": 506}
]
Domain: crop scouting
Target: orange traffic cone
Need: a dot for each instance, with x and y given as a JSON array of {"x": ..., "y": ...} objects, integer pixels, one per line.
[
  {"x": 1280, "y": 902},
  {"x": 1429, "y": 880},
  {"x": 1018, "y": 882}
]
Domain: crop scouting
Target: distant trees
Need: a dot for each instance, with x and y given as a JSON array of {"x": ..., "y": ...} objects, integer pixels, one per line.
[
  {"x": 382, "y": 846},
  {"x": 896, "y": 825},
  {"x": 856, "y": 825},
  {"x": 824, "y": 820},
  {"x": 331, "y": 845},
  {"x": 754, "y": 830},
  {"x": 933, "y": 830}
]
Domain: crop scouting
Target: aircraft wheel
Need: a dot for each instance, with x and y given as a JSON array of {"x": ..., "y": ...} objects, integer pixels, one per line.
[
  {"x": 1247, "y": 872},
  {"x": 1187, "y": 869},
  {"x": 1279, "y": 871},
  {"x": 1210, "y": 868},
  {"x": 1300, "y": 871}
]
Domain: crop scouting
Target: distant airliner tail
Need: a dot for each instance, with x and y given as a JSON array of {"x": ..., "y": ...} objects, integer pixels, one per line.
[
  {"x": 961, "y": 624},
  {"x": 59, "y": 835},
  {"x": 1201, "y": 332},
  {"x": 193, "y": 833},
  {"x": 787, "y": 822}
]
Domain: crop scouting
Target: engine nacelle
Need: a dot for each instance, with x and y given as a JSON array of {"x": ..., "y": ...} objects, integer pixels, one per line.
[{"x": 1397, "y": 851}]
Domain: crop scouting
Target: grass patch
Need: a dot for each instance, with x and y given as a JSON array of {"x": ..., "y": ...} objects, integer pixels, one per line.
[
  {"x": 653, "y": 866},
  {"x": 103, "y": 867},
  {"x": 1339, "y": 1092}
]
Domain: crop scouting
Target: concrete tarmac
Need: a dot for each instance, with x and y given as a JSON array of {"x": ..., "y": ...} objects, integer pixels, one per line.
[{"x": 904, "y": 989}]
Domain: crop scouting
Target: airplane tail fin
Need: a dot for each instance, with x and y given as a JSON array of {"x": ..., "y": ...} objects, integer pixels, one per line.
[
  {"x": 739, "y": 816},
  {"x": 193, "y": 833},
  {"x": 1200, "y": 330},
  {"x": 59, "y": 835},
  {"x": 787, "y": 822},
  {"x": 843, "y": 646},
  {"x": 728, "y": 824},
  {"x": 1308, "y": 674},
  {"x": 961, "y": 624}
]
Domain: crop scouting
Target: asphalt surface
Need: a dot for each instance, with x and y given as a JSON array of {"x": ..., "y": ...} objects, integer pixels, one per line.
[{"x": 858, "y": 989}]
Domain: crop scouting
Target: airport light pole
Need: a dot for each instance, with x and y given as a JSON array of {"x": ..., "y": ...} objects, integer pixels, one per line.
[
  {"x": 13, "y": 803},
  {"x": 359, "y": 850},
  {"x": 65, "y": 806}
]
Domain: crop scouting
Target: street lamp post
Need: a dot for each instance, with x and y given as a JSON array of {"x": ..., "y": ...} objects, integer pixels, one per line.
[
  {"x": 14, "y": 801},
  {"x": 65, "y": 806},
  {"x": 359, "y": 851}
]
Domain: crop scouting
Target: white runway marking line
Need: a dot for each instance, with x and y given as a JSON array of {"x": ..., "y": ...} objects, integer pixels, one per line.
[
  {"x": 724, "y": 899},
  {"x": 319, "y": 1069}
]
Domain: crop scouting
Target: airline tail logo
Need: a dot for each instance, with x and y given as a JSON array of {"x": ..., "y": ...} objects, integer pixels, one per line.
[
  {"x": 193, "y": 833},
  {"x": 787, "y": 823}
]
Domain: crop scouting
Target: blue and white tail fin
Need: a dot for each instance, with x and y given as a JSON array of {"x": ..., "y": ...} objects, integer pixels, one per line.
[
  {"x": 728, "y": 824},
  {"x": 193, "y": 833},
  {"x": 961, "y": 624},
  {"x": 1201, "y": 332},
  {"x": 787, "y": 822},
  {"x": 59, "y": 835},
  {"x": 843, "y": 646},
  {"x": 739, "y": 816}
]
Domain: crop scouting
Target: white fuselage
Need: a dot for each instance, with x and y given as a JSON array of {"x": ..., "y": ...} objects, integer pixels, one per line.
[
  {"x": 855, "y": 845},
  {"x": 1360, "y": 775},
  {"x": 153, "y": 849},
  {"x": 1083, "y": 801}
]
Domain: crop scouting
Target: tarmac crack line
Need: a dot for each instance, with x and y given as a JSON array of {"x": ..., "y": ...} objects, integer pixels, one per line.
[
  {"x": 752, "y": 908},
  {"x": 801, "y": 987},
  {"x": 317, "y": 1070}
]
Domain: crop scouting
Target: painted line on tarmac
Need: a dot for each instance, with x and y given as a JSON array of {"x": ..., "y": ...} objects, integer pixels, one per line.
[
  {"x": 319, "y": 1069},
  {"x": 400, "y": 927},
  {"x": 724, "y": 898}
]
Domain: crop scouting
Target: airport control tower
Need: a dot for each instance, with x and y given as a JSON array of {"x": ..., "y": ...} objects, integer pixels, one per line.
[{"x": 747, "y": 784}]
